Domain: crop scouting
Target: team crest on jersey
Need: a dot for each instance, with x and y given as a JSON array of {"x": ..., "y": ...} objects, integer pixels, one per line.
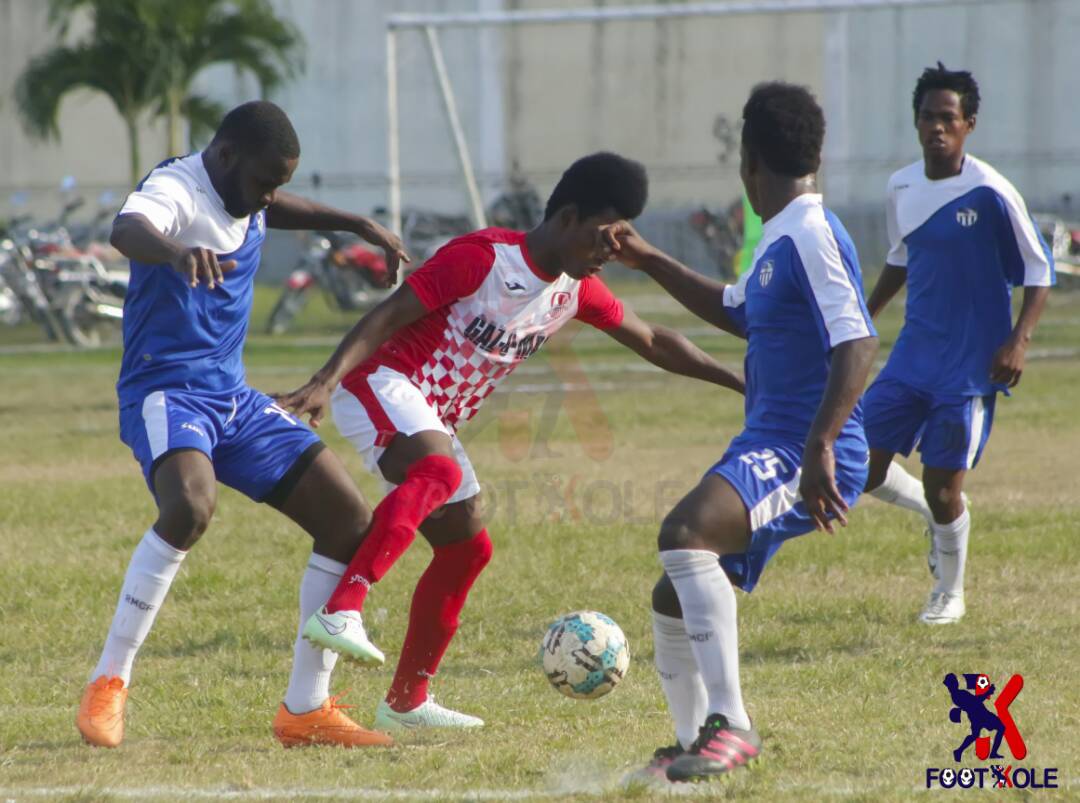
[
  {"x": 765, "y": 272},
  {"x": 966, "y": 217},
  {"x": 559, "y": 300}
]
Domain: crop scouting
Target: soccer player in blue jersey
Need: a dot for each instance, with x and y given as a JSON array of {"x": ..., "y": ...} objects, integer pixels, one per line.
[
  {"x": 193, "y": 230},
  {"x": 801, "y": 460},
  {"x": 961, "y": 238}
]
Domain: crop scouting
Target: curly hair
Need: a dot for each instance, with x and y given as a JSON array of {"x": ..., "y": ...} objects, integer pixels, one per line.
[
  {"x": 959, "y": 81},
  {"x": 784, "y": 125},
  {"x": 599, "y": 182}
]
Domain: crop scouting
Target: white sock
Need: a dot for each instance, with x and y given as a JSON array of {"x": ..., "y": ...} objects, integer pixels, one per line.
[
  {"x": 951, "y": 543},
  {"x": 708, "y": 605},
  {"x": 309, "y": 683},
  {"x": 687, "y": 699},
  {"x": 900, "y": 488},
  {"x": 149, "y": 574}
]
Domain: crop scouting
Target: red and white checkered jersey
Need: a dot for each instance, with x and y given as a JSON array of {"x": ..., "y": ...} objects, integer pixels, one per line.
[{"x": 490, "y": 308}]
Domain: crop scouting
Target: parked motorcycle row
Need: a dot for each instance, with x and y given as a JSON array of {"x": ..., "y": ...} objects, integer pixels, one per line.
[
  {"x": 63, "y": 277},
  {"x": 352, "y": 277}
]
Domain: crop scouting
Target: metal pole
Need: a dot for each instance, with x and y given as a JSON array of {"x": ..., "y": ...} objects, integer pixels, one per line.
[
  {"x": 653, "y": 11},
  {"x": 479, "y": 218},
  {"x": 392, "y": 132}
]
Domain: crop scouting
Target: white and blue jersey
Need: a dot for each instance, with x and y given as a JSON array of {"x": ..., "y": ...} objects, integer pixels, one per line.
[
  {"x": 965, "y": 242},
  {"x": 181, "y": 383},
  {"x": 174, "y": 335},
  {"x": 802, "y": 298}
]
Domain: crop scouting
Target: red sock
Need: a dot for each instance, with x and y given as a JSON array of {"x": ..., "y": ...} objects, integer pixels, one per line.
[
  {"x": 433, "y": 618},
  {"x": 429, "y": 482}
]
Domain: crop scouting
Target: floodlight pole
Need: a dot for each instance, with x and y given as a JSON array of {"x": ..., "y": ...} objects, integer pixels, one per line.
[{"x": 450, "y": 106}]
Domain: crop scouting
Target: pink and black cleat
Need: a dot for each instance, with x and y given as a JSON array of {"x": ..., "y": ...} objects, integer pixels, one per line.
[
  {"x": 655, "y": 772},
  {"x": 718, "y": 749}
]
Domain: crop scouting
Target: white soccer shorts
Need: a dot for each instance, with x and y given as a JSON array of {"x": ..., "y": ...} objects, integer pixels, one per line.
[{"x": 392, "y": 404}]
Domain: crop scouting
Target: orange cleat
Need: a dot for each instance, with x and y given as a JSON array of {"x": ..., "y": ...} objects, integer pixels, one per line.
[
  {"x": 101, "y": 713},
  {"x": 325, "y": 725}
]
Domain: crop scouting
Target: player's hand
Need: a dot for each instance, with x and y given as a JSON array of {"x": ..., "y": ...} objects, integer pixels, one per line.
[
  {"x": 817, "y": 486},
  {"x": 1008, "y": 363},
  {"x": 201, "y": 265},
  {"x": 311, "y": 399},
  {"x": 391, "y": 245},
  {"x": 626, "y": 245}
]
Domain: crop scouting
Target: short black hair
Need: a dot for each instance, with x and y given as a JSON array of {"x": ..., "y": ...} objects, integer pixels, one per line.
[
  {"x": 257, "y": 125},
  {"x": 598, "y": 182},
  {"x": 784, "y": 125},
  {"x": 959, "y": 81}
]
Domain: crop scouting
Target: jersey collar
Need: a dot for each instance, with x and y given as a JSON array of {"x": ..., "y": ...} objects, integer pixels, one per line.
[
  {"x": 796, "y": 206},
  {"x": 539, "y": 272}
]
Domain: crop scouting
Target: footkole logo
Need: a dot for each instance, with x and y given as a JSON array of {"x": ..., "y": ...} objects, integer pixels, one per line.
[{"x": 969, "y": 695}]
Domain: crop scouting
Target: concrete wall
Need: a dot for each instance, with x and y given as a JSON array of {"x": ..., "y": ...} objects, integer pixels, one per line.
[{"x": 543, "y": 95}]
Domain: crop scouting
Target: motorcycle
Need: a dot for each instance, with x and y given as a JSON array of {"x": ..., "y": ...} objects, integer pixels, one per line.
[
  {"x": 21, "y": 284},
  {"x": 67, "y": 289},
  {"x": 722, "y": 233},
  {"x": 350, "y": 276}
]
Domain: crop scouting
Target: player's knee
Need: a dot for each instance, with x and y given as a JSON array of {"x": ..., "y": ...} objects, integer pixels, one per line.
[
  {"x": 946, "y": 503},
  {"x": 183, "y": 521},
  {"x": 675, "y": 533}
]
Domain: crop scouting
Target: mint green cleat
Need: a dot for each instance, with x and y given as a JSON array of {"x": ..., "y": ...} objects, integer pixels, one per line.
[
  {"x": 342, "y": 632},
  {"x": 429, "y": 714}
]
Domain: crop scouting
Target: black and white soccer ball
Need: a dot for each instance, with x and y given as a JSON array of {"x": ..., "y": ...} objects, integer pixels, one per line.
[
  {"x": 948, "y": 777},
  {"x": 966, "y": 777},
  {"x": 982, "y": 683},
  {"x": 585, "y": 655}
]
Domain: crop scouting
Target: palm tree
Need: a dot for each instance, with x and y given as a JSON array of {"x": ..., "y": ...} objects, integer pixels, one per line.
[
  {"x": 145, "y": 55},
  {"x": 113, "y": 60},
  {"x": 196, "y": 34}
]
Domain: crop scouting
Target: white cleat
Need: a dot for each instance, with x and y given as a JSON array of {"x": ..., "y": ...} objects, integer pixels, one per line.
[
  {"x": 429, "y": 714},
  {"x": 343, "y": 632},
  {"x": 943, "y": 608}
]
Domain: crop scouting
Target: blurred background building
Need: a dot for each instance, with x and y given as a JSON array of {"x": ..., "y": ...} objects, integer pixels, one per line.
[{"x": 667, "y": 92}]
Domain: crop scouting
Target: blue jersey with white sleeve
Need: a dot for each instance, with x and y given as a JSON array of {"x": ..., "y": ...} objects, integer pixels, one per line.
[
  {"x": 965, "y": 242},
  {"x": 177, "y": 337},
  {"x": 802, "y": 298}
]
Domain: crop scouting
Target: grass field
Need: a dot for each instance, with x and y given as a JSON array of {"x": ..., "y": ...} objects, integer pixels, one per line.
[{"x": 844, "y": 685}]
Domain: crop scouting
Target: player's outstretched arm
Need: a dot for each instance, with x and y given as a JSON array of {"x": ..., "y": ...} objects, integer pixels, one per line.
[
  {"x": 701, "y": 295},
  {"x": 890, "y": 281},
  {"x": 134, "y": 236},
  {"x": 671, "y": 351},
  {"x": 397, "y": 311},
  {"x": 849, "y": 369},
  {"x": 1008, "y": 362},
  {"x": 290, "y": 211}
]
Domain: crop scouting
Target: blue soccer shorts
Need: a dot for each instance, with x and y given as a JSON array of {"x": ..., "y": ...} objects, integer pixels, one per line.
[
  {"x": 765, "y": 472},
  {"x": 254, "y": 445},
  {"x": 950, "y": 431}
]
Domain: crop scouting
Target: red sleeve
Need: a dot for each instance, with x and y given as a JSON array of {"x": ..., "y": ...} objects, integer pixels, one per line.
[
  {"x": 597, "y": 306},
  {"x": 456, "y": 271}
]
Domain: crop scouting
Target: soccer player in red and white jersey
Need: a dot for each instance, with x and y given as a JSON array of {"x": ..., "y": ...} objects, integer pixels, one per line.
[{"x": 420, "y": 364}]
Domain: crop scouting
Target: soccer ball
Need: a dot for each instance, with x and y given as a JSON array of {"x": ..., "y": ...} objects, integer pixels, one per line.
[
  {"x": 948, "y": 777},
  {"x": 585, "y": 655},
  {"x": 966, "y": 777},
  {"x": 982, "y": 683}
]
